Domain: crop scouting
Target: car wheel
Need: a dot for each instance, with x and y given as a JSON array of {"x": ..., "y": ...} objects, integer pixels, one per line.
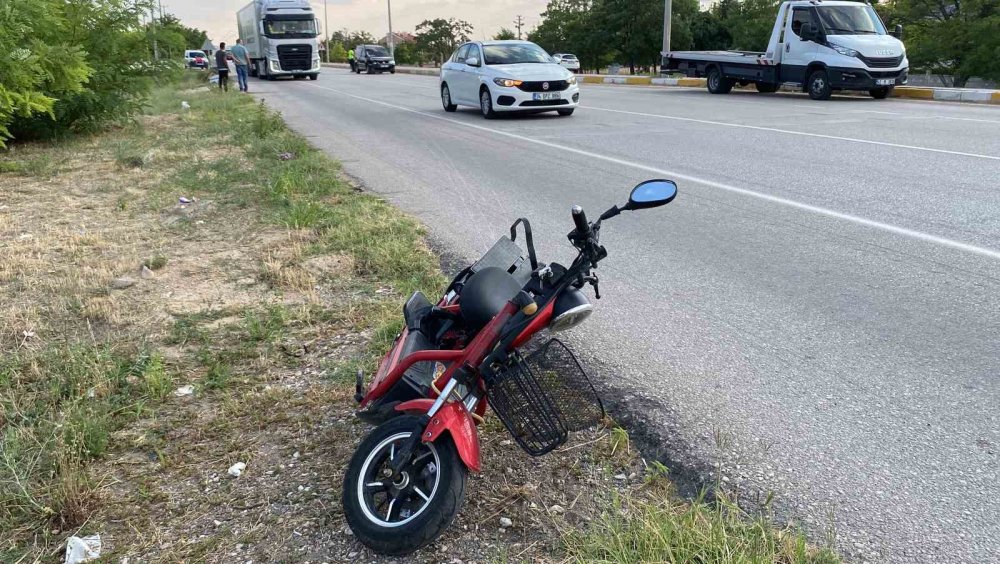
[
  {"x": 486, "y": 104},
  {"x": 818, "y": 85},
  {"x": 567, "y": 112},
  {"x": 718, "y": 84},
  {"x": 446, "y": 99}
]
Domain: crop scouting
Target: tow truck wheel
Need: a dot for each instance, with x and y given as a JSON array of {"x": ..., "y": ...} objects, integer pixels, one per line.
[
  {"x": 766, "y": 88},
  {"x": 880, "y": 93},
  {"x": 818, "y": 85},
  {"x": 718, "y": 84}
]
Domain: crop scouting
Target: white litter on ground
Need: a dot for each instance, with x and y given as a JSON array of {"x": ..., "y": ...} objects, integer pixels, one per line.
[
  {"x": 83, "y": 549},
  {"x": 236, "y": 469}
]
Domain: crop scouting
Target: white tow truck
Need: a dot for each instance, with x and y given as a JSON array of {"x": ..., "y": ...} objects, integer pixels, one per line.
[
  {"x": 280, "y": 36},
  {"x": 820, "y": 46}
]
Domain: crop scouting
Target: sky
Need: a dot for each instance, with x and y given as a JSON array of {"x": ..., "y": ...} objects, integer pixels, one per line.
[{"x": 218, "y": 17}]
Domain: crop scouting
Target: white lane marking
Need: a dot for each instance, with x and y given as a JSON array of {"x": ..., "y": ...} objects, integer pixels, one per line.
[
  {"x": 927, "y": 237},
  {"x": 802, "y": 133}
]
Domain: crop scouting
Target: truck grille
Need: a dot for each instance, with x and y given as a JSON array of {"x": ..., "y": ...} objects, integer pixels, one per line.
[
  {"x": 554, "y": 86},
  {"x": 881, "y": 62},
  {"x": 295, "y": 57}
]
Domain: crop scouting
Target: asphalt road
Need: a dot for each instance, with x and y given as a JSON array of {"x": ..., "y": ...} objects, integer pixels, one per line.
[{"x": 816, "y": 315}]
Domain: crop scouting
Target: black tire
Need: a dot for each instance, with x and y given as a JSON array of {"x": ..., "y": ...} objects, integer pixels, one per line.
[
  {"x": 299, "y": 76},
  {"x": 313, "y": 76},
  {"x": 880, "y": 93},
  {"x": 486, "y": 104},
  {"x": 765, "y": 87},
  {"x": 818, "y": 85},
  {"x": 446, "y": 102},
  {"x": 409, "y": 533},
  {"x": 718, "y": 84},
  {"x": 567, "y": 112},
  {"x": 392, "y": 70},
  {"x": 368, "y": 69}
]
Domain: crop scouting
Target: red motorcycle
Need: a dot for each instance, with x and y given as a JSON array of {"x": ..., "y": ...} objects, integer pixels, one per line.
[{"x": 405, "y": 483}]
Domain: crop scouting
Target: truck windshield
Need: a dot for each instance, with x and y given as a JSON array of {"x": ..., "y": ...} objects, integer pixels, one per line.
[
  {"x": 376, "y": 52},
  {"x": 290, "y": 28},
  {"x": 514, "y": 53},
  {"x": 850, "y": 20}
]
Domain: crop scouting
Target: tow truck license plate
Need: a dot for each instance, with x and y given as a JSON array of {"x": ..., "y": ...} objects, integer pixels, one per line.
[
  {"x": 885, "y": 81},
  {"x": 545, "y": 96}
]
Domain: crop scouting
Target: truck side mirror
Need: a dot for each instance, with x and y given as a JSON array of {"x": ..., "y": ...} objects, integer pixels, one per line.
[{"x": 898, "y": 32}]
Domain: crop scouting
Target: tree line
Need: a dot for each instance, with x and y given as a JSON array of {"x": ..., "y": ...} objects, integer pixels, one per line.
[
  {"x": 957, "y": 38},
  {"x": 77, "y": 65}
]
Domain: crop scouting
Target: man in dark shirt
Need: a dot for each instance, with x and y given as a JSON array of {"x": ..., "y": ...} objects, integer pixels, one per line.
[{"x": 222, "y": 66}]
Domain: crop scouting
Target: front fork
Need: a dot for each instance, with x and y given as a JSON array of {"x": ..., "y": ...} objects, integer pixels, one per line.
[{"x": 436, "y": 418}]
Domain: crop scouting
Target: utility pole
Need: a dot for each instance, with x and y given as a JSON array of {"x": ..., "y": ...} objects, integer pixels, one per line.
[
  {"x": 326, "y": 30},
  {"x": 392, "y": 40},
  {"x": 667, "y": 8},
  {"x": 520, "y": 22},
  {"x": 156, "y": 49}
]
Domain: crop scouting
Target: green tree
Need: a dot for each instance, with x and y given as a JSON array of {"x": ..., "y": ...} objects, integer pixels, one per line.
[
  {"x": 505, "y": 34},
  {"x": 960, "y": 38},
  {"x": 193, "y": 38},
  {"x": 338, "y": 53},
  {"x": 114, "y": 42},
  {"x": 407, "y": 54},
  {"x": 572, "y": 26},
  {"x": 708, "y": 33},
  {"x": 749, "y": 22},
  {"x": 437, "y": 38},
  {"x": 39, "y": 64}
]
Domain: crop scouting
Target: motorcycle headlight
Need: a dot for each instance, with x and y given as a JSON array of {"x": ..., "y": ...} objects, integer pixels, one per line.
[
  {"x": 507, "y": 82},
  {"x": 571, "y": 309},
  {"x": 571, "y": 80},
  {"x": 843, "y": 50}
]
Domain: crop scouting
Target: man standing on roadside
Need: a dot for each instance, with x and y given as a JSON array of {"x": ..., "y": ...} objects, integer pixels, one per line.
[
  {"x": 350, "y": 59},
  {"x": 222, "y": 66},
  {"x": 242, "y": 59}
]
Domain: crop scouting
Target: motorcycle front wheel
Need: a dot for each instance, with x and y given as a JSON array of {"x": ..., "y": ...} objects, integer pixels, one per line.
[{"x": 398, "y": 517}]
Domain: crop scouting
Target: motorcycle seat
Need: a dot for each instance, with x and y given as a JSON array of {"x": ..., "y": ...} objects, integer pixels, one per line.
[
  {"x": 485, "y": 294},
  {"x": 415, "y": 310}
]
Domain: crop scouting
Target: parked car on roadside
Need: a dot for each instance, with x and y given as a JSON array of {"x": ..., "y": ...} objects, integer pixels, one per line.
[
  {"x": 373, "y": 58},
  {"x": 568, "y": 60},
  {"x": 507, "y": 76},
  {"x": 195, "y": 59}
]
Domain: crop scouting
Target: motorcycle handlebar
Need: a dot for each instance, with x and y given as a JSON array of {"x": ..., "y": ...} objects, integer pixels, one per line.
[{"x": 580, "y": 219}]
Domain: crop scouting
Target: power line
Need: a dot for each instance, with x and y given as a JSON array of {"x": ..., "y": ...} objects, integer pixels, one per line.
[{"x": 519, "y": 22}]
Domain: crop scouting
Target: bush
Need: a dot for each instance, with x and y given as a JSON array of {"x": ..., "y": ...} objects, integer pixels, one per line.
[{"x": 77, "y": 66}]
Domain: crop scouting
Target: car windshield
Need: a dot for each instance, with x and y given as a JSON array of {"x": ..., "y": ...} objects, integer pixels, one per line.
[
  {"x": 376, "y": 52},
  {"x": 290, "y": 28},
  {"x": 514, "y": 53},
  {"x": 850, "y": 20},
  {"x": 194, "y": 54}
]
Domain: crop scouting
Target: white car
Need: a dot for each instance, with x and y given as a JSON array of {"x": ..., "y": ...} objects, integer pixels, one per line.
[
  {"x": 507, "y": 76},
  {"x": 568, "y": 60}
]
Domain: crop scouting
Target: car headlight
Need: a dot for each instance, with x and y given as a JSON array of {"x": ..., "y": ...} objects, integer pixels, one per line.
[
  {"x": 393, "y": 62},
  {"x": 843, "y": 50},
  {"x": 507, "y": 82},
  {"x": 571, "y": 80}
]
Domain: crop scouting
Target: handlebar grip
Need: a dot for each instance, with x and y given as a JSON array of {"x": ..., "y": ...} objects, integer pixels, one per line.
[{"x": 580, "y": 219}]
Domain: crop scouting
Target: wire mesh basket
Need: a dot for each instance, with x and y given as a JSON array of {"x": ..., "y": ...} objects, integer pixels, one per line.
[{"x": 542, "y": 397}]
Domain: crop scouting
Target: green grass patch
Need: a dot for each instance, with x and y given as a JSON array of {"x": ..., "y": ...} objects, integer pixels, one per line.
[{"x": 720, "y": 532}]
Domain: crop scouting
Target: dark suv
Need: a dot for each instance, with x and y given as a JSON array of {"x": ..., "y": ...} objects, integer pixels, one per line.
[{"x": 373, "y": 58}]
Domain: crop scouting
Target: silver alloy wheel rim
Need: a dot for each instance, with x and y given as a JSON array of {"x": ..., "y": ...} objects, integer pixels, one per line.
[
  {"x": 375, "y": 452},
  {"x": 818, "y": 85},
  {"x": 484, "y": 102},
  {"x": 446, "y": 96},
  {"x": 714, "y": 80}
]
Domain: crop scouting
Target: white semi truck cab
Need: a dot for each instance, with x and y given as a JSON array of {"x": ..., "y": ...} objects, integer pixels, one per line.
[
  {"x": 280, "y": 36},
  {"x": 820, "y": 46}
]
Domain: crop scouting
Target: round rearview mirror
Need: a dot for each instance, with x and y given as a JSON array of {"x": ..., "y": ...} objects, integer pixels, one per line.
[{"x": 652, "y": 193}]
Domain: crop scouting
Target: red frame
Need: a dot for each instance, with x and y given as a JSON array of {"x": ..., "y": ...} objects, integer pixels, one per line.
[{"x": 452, "y": 417}]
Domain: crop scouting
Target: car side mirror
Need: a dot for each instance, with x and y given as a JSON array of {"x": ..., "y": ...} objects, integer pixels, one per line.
[
  {"x": 472, "y": 61},
  {"x": 898, "y": 32},
  {"x": 809, "y": 32}
]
